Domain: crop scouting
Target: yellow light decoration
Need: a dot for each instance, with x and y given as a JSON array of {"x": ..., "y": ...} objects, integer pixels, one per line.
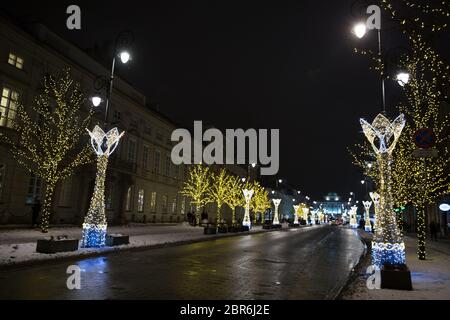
[{"x": 48, "y": 141}]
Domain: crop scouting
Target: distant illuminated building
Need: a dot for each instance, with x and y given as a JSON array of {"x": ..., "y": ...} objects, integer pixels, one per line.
[{"x": 332, "y": 205}]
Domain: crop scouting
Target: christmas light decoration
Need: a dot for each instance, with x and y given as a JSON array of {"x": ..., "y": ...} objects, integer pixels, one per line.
[
  {"x": 296, "y": 211},
  {"x": 305, "y": 211},
  {"x": 95, "y": 224},
  {"x": 217, "y": 191},
  {"x": 276, "y": 220},
  {"x": 419, "y": 181},
  {"x": 367, "y": 205},
  {"x": 353, "y": 221},
  {"x": 248, "y": 197},
  {"x": 234, "y": 197},
  {"x": 196, "y": 187},
  {"x": 387, "y": 246},
  {"x": 49, "y": 143},
  {"x": 376, "y": 201}
]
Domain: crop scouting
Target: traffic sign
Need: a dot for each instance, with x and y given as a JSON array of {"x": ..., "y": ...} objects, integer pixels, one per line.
[{"x": 425, "y": 138}]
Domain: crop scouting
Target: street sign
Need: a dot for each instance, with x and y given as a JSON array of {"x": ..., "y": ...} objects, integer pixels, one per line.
[
  {"x": 425, "y": 138},
  {"x": 425, "y": 153}
]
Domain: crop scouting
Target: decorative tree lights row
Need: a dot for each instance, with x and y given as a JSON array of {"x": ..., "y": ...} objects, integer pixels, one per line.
[
  {"x": 388, "y": 246},
  {"x": 95, "y": 224}
]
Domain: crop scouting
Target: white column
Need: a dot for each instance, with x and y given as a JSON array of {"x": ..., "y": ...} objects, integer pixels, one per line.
[
  {"x": 296, "y": 214},
  {"x": 248, "y": 194},
  {"x": 367, "y": 205},
  {"x": 276, "y": 219}
]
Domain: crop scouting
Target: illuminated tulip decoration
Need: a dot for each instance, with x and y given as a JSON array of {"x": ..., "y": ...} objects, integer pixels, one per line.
[{"x": 95, "y": 224}]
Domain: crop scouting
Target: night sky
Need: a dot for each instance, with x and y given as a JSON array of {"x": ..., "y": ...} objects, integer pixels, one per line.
[{"x": 286, "y": 65}]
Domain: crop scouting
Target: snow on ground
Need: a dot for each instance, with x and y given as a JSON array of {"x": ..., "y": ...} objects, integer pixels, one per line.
[
  {"x": 430, "y": 278},
  {"x": 19, "y": 245}
]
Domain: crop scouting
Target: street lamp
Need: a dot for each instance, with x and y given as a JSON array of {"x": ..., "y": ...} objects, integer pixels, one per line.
[
  {"x": 360, "y": 30},
  {"x": 402, "y": 78},
  {"x": 96, "y": 100},
  {"x": 363, "y": 182},
  {"x": 124, "y": 57},
  {"x": 123, "y": 40}
]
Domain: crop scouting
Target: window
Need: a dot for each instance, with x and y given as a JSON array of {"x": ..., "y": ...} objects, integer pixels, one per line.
[
  {"x": 131, "y": 151},
  {"x": 164, "y": 202},
  {"x": 109, "y": 197},
  {"x": 174, "y": 204},
  {"x": 8, "y": 107},
  {"x": 145, "y": 152},
  {"x": 34, "y": 189},
  {"x": 183, "y": 206},
  {"x": 140, "y": 200},
  {"x": 66, "y": 192},
  {"x": 2, "y": 178},
  {"x": 129, "y": 199},
  {"x": 15, "y": 61},
  {"x": 168, "y": 164},
  {"x": 157, "y": 162},
  {"x": 153, "y": 201}
]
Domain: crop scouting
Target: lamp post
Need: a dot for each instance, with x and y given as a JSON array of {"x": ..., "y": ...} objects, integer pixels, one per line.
[
  {"x": 121, "y": 45},
  {"x": 360, "y": 31}
]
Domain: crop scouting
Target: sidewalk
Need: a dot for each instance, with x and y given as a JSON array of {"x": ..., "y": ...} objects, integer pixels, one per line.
[
  {"x": 18, "y": 246},
  {"x": 430, "y": 278}
]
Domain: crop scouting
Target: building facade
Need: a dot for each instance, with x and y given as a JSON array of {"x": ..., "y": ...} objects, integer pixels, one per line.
[{"x": 142, "y": 182}]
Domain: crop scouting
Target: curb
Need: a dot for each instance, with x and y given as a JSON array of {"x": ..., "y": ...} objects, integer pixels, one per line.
[
  {"x": 111, "y": 250},
  {"x": 358, "y": 266}
]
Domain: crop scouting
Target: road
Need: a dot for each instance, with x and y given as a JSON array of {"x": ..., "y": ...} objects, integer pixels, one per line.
[{"x": 311, "y": 263}]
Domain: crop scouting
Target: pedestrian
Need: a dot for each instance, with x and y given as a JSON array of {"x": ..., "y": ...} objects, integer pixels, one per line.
[
  {"x": 35, "y": 210},
  {"x": 433, "y": 231}
]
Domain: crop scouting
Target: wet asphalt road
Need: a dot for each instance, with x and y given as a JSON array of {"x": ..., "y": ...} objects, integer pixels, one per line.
[{"x": 311, "y": 263}]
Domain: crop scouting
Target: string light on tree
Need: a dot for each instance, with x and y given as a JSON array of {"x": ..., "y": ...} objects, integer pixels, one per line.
[
  {"x": 95, "y": 224},
  {"x": 49, "y": 143}
]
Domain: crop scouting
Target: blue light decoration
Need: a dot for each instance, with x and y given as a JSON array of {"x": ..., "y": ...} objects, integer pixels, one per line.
[
  {"x": 93, "y": 236},
  {"x": 388, "y": 247}
]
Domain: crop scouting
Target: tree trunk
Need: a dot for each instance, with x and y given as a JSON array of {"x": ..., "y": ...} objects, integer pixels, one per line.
[
  {"x": 218, "y": 215},
  {"x": 421, "y": 233},
  {"x": 46, "y": 207},
  {"x": 233, "y": 216}
]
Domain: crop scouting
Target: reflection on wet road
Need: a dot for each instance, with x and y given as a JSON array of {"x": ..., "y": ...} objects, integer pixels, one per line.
[{"x": 311, "y": 263}]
